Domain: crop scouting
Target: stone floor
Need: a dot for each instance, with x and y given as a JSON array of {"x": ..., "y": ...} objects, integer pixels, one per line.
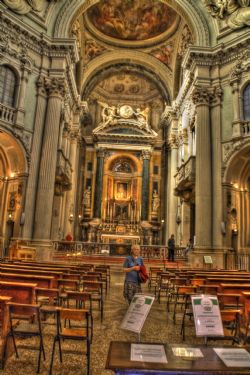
[{"x": 158, "y": 328}]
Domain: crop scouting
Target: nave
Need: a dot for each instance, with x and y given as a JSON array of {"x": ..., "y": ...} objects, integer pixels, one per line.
[{"x": 159, "y": 328}]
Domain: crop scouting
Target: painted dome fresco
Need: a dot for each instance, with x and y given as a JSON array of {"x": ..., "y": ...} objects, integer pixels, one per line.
[{"x": 132, "y": 20}]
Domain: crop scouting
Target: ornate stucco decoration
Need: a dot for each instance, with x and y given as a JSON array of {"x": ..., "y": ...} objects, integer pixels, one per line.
[
  {"x": 24, "y": 6},
  {"x": 124, "y": 122},
  {"x": 229, "y": 150},
  {"x": 236, "y": 13}
]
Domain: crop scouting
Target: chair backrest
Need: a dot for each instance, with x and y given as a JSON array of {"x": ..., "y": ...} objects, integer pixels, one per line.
[
  {"x": 51, "y": 294},
  {"x": 23, "y": 311},
  {"x": 67, "y": 284},
  {"x": 82, "y": 299},
  {"x": 73, "y": 315}
]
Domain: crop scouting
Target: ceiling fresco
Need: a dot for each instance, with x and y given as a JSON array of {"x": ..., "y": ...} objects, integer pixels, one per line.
[{"x": 132, "y": 20}]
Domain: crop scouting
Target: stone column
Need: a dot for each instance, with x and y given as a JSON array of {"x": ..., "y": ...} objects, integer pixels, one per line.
[
  {"x": 46, "y": 184},
  {"x": 99, "y": 183},
  {"x": 145, "y": 185},
  {"x": 216, "y": 99},
  {"x": 29, "y": 208},
  {"x": 203, "y": 199}
]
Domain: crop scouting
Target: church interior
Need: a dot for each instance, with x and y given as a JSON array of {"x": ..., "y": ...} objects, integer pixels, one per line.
[{"x": 123, "y": 123}]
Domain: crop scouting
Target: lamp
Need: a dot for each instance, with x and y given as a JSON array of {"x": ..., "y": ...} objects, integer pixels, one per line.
[{"x": 71, "y": 217}]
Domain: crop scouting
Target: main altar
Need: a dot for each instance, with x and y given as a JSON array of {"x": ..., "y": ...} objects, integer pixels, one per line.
[{"x": 121, "y": 200}]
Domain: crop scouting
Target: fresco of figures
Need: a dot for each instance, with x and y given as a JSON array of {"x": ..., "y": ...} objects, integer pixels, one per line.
[{"x": 132, "y": 20}]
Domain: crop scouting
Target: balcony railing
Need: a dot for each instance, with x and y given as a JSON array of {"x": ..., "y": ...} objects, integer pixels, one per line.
[
  {"x": 7, "y": 114},
  {"x": 186, "y": 174}
]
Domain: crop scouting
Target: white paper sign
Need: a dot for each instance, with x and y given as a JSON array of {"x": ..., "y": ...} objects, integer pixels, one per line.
[
  {"x": 137, "y": 313},
  {"x": 188, "y": 352},
  {"x": 234, "y": 357},
  {"x": 148, "y": 353},
  {"x": 207, "y": 316}
]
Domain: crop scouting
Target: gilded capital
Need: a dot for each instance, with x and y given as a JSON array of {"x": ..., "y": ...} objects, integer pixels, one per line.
[{"x": 146, "y": 154}]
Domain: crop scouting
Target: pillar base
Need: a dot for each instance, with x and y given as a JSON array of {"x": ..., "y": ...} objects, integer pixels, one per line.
[{"x": 197, "y": 258}]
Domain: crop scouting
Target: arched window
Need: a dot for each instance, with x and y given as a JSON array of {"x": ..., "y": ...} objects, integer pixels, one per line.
[
  {"x": 246, "y": 102},
  {"x": 7, "y": 86}
]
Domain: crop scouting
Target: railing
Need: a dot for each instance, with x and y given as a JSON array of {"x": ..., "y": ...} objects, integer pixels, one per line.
[
  {"x": 77, "y": 248},
  {"x": 240, "y": 261},
  {"x": 186, "y": 172},
  {"x": 6, "y": 113}
]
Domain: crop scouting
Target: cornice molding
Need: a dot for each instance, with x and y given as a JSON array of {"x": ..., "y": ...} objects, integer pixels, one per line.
[{"x": 221, "y": 54}]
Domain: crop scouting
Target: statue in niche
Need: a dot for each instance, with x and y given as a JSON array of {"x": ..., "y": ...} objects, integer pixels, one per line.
[
  {"x": 156, "y": 201},
  {"x": 24, "y": 6},
  {"x": 235, "y": 12},
  {"x": 87, "y": 197}
]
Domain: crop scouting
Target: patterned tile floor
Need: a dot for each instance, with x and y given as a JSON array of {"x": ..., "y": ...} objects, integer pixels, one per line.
[{"x": 158, "y": 328}]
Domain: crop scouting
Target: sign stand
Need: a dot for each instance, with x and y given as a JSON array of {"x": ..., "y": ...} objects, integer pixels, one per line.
[
  {"x": 137, "y": 313},
  {"x": 207, "y": 316}
]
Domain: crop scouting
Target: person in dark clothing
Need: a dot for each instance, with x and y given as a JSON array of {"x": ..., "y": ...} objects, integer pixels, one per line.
[{"x": 171, "y": 248}]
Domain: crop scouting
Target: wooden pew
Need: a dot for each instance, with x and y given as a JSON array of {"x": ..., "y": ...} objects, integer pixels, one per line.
[
  {"x": 41, "y": 281},
  {"x": 20, "y": 292},
  {"x": 4, "y": 319},
  {"x": 57, "y": 275}
]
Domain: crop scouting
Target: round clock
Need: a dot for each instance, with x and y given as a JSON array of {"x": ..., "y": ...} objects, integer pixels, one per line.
[{"x": 126, "y": 111}]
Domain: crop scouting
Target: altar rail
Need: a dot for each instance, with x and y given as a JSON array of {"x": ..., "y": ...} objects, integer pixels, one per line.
[{"x": 97, "y": 248}]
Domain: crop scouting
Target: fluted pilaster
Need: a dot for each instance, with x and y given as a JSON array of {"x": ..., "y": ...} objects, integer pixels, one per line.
[
  {"x": 35, "y": 158},
  {"x": 216, "y": 99},
  {"x": 203, "y": 199},
  {"x": 45, "y": 192}
]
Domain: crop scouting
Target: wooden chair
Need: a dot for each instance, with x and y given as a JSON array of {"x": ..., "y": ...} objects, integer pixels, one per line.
[
  {"x": 231, "y": 319},
  {"x": 78, "y": 330},
  {"x": 48, "y": 299},
  {"x": 25, "y": 323},
  {"x": 96, "y": 290},
  {"x": 82, "y": 300}
]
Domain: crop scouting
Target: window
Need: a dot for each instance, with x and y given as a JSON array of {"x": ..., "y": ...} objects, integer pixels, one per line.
[
  {"x": 246, "y": 102},
  {"x": 7, "y": 86},
  {"x": 156, "y": 169}
]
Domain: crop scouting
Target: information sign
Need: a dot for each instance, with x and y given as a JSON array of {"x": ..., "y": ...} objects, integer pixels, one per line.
[
  {"x": 207, "y": 316},
  {"x": 234, "y": 357},
  {"x": 187, "y": 352},
  {"x": 208, "y": 259},
  {"x": 137, "y": 313},
  {"x": 148, "y": 353}
]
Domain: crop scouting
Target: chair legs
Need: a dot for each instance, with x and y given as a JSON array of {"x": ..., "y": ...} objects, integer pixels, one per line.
[{"x": 57, "y": 339}]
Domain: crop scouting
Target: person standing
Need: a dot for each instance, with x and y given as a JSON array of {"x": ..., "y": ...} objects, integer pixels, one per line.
[
  {"x": 171, "y": 248},
  {"x": 131, "y": 267}
]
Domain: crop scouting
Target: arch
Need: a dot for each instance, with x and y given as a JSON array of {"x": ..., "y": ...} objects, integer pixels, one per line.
[
  {"x": 125, "y": 155},
  {"x": 189, "y": 10},
  {"x": 111, "y": 60},
  {"x": 237, "y": 166},
  {"x": 14, "y": 155}
]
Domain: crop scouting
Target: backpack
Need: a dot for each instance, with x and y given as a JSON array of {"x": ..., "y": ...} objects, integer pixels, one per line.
[{"x": 143, "y": 275}]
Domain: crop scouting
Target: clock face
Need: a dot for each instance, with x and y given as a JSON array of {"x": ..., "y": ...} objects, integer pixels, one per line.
[{"x": 126, "y": 111}]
